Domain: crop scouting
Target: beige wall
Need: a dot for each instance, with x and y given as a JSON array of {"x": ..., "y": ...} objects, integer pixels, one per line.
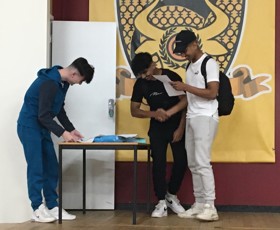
[{"x": 23, "y": 50}]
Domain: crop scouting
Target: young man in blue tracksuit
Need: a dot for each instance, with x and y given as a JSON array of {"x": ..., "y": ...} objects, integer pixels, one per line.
[{"x": 43, "y": 101}]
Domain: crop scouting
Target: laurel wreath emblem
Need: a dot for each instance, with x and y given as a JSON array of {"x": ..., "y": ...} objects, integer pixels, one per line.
[{"x": 163, "y": 52}]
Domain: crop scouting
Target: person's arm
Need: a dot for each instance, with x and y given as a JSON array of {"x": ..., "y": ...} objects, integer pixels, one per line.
[
  {"x": 209, "y": 93},
  {"x": 179, "y": 132},
  {"x": 47, "y": 94},
  {"x": 64, "y": 120},
  {"x": 212, "y": 70},
  {"x": 135, "y": 105},
  {"x": 136, "y": 101},
  {"x": 182, "y": 104},
  {"x": 75, "y": 135},
  {"x": 136, "y": 111}
]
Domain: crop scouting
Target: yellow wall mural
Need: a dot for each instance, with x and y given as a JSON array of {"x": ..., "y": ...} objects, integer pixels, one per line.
[{"x": 239, "y": 34}]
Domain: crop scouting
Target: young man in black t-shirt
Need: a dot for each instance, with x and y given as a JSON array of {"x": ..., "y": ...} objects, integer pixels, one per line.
[{"x": 163, "y": 130}]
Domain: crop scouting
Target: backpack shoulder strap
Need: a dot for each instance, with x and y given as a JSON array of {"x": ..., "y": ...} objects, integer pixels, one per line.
[
  {"x": 188, "y": 65},
  {"x": 203, "y": 69}
]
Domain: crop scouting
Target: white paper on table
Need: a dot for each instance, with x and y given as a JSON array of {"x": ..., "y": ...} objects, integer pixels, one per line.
[
  {"x": 127, "y": 135},
  {"x": 169, "y": 89},
  {"x": 86, "y": 140}
]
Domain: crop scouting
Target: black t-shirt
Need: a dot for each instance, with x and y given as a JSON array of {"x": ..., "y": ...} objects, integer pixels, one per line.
[{"x": 156, "y": 96}]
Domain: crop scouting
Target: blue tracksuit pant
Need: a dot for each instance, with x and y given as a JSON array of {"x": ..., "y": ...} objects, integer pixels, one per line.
[{"x": 42, "y": 166}]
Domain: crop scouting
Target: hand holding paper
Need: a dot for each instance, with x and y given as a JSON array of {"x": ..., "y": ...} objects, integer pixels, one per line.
[
  {"x": 167, "y": 85},
  {"x": 178, "y": 85}
]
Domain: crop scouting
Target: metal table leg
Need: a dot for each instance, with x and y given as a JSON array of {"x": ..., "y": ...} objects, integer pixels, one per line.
[
  {"x": 148, "y": 179},
  {"x": 134, "y": 186},
  {"x": 60, "y": 187},
  {"x": 84, "y": 181}
]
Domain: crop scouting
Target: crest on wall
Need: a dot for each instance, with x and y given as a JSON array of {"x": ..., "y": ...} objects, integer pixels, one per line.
[{"x": 151, "y": 26}]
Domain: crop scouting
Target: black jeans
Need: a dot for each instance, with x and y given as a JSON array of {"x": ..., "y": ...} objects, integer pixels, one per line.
[{"x": 159, "y": 139}]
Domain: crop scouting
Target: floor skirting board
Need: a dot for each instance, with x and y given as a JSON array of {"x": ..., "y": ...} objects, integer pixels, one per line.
[{"x": 221, "y": 208}]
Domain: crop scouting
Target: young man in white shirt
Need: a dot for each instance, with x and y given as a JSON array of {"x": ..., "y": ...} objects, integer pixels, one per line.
[{"x": 201, "y": 123}]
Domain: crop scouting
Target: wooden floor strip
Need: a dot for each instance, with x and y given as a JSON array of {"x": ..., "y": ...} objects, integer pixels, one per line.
[{"x": 122, "y": 220}]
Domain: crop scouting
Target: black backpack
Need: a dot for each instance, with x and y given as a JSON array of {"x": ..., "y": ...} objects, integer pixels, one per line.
[{"x": 225, "y": 97}]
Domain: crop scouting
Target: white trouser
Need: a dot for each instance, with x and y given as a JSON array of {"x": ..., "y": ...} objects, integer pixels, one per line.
[{"x": 200, "y": 134}]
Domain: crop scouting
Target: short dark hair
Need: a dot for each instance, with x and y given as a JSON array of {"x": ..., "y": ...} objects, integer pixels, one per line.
[
  {"x": 140, "y": 62},
  {"x": 85, "y": 69}
]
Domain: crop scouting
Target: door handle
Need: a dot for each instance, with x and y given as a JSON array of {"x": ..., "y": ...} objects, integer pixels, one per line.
[{"x": 111, "y": 107}]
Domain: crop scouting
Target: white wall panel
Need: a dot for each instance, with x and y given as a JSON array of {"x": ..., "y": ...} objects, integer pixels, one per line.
[{"x": 23, "y": 50}]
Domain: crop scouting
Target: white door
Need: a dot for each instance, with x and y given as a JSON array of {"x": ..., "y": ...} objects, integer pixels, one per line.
[{"x": 87, "y": 107}]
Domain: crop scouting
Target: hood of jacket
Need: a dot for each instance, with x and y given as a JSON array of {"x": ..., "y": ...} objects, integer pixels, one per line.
[{"x": 51, "y": 73}]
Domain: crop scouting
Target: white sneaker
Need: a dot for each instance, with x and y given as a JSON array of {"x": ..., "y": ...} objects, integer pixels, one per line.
[
  {"x": 209, "y": 213},
  {"x": 65, "y": 215},
  {"x": 160, "y": 210},
  {"x": 173, "y": 203},
  {"x": 195, "y": 209},
  {"x": 42, "y": 215}
]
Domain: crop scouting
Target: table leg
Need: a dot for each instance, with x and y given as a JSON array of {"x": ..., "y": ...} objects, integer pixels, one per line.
[
  {"x": 60, "y": 187},
  {"x": 134, "y": 186},
  {"x": 84, "y": 181},
  {"x": 149, "y": 180}
]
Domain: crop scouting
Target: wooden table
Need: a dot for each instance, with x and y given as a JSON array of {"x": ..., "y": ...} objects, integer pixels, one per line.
[{"x": 133, "y": 146}]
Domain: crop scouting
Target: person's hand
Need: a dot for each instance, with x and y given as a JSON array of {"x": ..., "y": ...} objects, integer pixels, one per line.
[
  {"x": 177, "y": 135},
  {"x": 76, "y": 134},
  {"x": 161, "y": 115},
  {"x": 178, "y": 85},
  {"x": 68, "y": 137}
]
